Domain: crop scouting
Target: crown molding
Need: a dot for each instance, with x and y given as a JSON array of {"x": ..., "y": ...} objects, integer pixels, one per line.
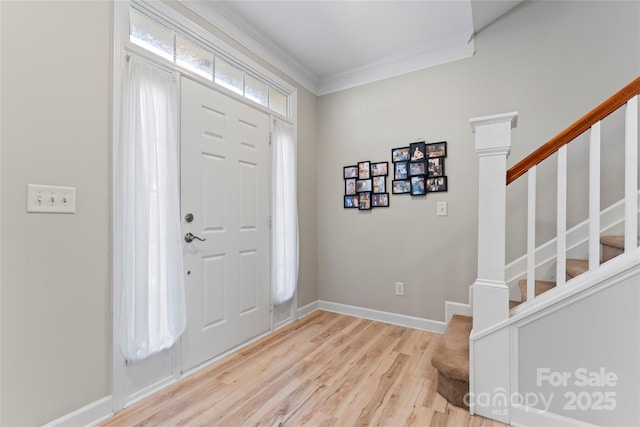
[
  {"x": 457, "y": 47},
  {"x": 220, "y": 16}
]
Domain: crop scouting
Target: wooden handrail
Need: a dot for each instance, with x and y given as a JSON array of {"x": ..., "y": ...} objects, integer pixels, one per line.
[{"x": 572, "y": 132}]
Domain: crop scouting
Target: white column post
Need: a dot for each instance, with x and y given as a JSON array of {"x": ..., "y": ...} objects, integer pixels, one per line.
[
  {"x": 490, "y": 292},
  {"x": 489, "y": 358}
]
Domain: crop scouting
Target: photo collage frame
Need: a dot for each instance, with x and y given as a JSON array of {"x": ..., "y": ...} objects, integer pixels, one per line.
[
  {"x": 365, "y": 185},
  {"x": 419, "y": 168}
]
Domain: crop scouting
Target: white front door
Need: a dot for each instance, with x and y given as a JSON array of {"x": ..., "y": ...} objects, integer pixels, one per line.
[{"x": 226, "y": 188}]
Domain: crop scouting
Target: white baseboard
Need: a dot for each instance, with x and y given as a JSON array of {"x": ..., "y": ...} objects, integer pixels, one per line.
[
  {"x": 307, "y": 309},
  {"x": 89, "y": 415},
  {"x": 451, "y": 308},
  {"x": 384, "y": 316},
  {"x": 532, "y": 417}
]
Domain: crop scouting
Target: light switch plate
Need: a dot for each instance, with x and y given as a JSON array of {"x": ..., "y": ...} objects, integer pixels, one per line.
[
  {"x": 50, "y": 199},
  {"x": 441, "y": 208}
]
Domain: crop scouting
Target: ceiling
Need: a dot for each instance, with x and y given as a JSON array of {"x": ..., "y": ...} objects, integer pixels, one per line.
[{"x": 332, "y": 45}]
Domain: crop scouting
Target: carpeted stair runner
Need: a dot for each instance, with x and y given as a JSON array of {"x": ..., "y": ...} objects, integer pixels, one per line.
[{"x": 451, "y": 358}]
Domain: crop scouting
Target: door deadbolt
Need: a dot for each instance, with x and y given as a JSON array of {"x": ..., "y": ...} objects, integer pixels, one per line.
[{"x": 188, "y": 217}]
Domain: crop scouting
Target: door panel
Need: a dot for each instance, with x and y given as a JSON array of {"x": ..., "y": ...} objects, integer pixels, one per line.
[{"x": 225, "y": 185}]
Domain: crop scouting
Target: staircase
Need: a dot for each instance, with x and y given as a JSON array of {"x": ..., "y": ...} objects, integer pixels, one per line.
[
  {"x": 451, "y": 357},
  {"x": 482, "y": 360}
]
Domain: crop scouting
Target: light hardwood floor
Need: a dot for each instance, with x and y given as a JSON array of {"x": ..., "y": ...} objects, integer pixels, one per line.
[{"x": 324, "y": 370}]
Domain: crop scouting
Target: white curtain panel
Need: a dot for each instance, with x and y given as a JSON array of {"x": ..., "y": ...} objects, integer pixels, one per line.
[
  {"x": 148, "y": 247},
  {"x": 284, "y": 215}
]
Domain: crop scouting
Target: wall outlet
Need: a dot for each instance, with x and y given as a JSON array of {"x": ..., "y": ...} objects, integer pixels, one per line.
[{"x": 400, "y": 289}]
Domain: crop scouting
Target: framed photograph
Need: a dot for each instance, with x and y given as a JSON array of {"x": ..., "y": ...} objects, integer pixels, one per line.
[
  {"x": 400, "y": 170},
  {"x": 400, "y": 154},
  {"x": 418, "y": 186},
  {"x": 379, "y": 184},
  {"x": 364, "y": 202},
  {"x": 351, "y": 202},
  {"x": 417, "y": 168},
  {"x": 437, "y": 184},
  {"x": 436, "y": 166},
  {"x": 363, "y": 185},
  {"x": 437, "y": 149},
  {"x": 364, "y": 171},
  {"x": 350, "y": 186},
  {"x": 380, "y": 200},
  {"x": 350, "y": 172},
  {"x": 402, "y": 186},
  {"x": 380, "y": 169},
  {"x": 417, "y": 151}
]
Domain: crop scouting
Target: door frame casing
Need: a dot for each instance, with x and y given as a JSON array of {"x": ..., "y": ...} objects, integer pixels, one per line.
[{"x": 121, "y": 397}]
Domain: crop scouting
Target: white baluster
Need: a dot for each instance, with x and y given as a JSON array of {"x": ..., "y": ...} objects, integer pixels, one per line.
[
  {"x": 631, "y": 176},
  {"x": 561, "y": 240},
  {"x": 594, "y": 197},
  {"x": 531, "y": 234}
]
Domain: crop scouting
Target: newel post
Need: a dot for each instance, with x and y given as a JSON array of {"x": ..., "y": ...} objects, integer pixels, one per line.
[{"x": 489, "y": 293}]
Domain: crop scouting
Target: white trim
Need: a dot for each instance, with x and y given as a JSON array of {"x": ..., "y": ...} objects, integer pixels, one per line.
[
  {"x": 89, "y": 415},
  {"x": 308, "y": 309},
  {"x": 220, "y": 17},
  {"x": 451, "y": 308},
  {"x": 525, "y": 416},
  {"x": 459, "y": 46},
  {"x": 383, "y": 316},
  {"x": 207, "y": 39},
  {"x": 586, "y": 284},
  {"x": 496, "y": 118}
]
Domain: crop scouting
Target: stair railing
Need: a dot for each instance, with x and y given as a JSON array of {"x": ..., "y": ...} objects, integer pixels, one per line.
[{"x": 627, "y": 97}]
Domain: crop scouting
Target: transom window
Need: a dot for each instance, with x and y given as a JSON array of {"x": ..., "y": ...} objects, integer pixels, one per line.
[{"x": 165, "y": 42}]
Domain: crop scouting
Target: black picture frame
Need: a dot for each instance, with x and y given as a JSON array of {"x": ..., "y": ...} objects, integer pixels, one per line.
[
  {"x": 364, "y": 170},
  {"x": 351, "y": 202},
  {"x": 350, "y": 171},
  {"x": 418, "y": 152},
  {"x": 400, "y": 170},
  {"x": 363, "y": 185},
  {"x": 400, "y": 154},
  {"x": 380, "y": 200},
  {"x": 417, "y": 168},
  {"x": 379, "y": 184},
  {"x": 350, "y": 186},
  {"x": 437, "y": 149},
  {"x": 401, "y": 186},
  {"x": 436, "y": 184},
  {"x": 364, "y": 201},
  {"x": 435, "y": 166},
  {"x": 380, "y": 169},
  {"x": 418, "y": 187}
]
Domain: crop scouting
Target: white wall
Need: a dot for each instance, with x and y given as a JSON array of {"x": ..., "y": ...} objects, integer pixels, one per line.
[
  {"x": 550, "y": 61},
  {"x": 56, "y": 327}
]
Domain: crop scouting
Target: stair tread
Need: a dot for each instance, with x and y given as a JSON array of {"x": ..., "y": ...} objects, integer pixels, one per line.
[
  {"x": 451, "y": 357},
  {"x": 541, "y": 286},
  {"x": 576, "y": 267},
  {"x": 614, "y": 241}
]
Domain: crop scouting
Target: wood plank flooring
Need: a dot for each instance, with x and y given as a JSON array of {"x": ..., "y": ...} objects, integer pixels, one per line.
[{"x": 324, "y": 370}]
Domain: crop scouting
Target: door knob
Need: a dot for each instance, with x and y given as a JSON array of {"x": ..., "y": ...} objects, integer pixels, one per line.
[{"x": 191, "y": 237}]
